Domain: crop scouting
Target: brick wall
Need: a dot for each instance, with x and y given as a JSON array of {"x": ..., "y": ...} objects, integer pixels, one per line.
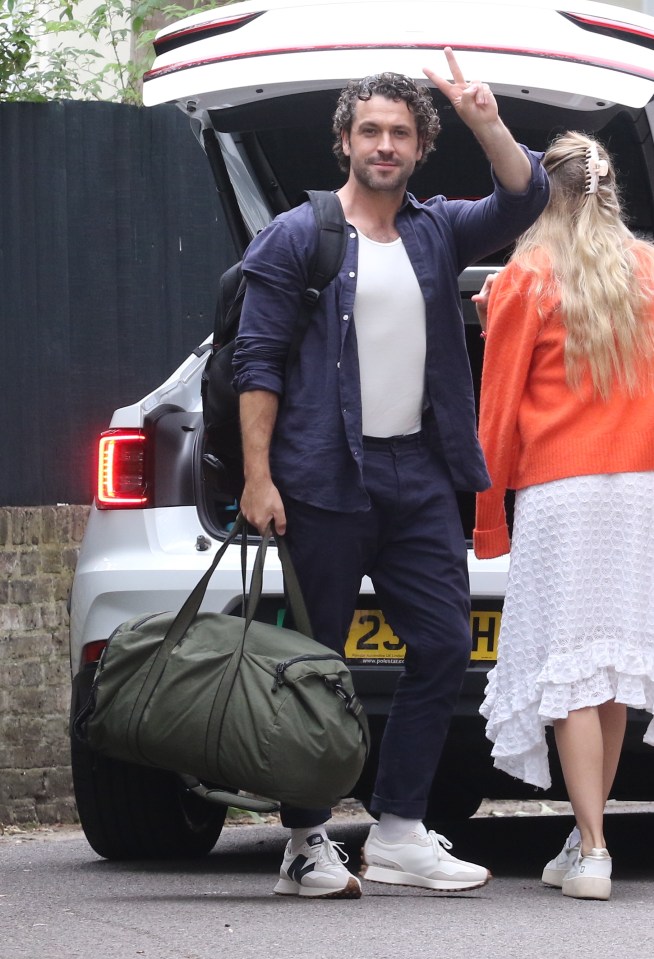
[{"x": 38, "y": 552}]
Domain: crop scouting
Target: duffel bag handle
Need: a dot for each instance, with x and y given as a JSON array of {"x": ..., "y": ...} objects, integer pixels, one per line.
[
  {"x": 227, "y": 797},
  {"x": 191, "y": 607},
  {"x": 185, "y": 617},
  {"x": 295, "y": 598}
]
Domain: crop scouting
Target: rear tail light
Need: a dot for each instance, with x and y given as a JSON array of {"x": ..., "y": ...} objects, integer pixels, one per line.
[
  {"x": 92, "y": 651},
  {"x": 122, "y": 470}
]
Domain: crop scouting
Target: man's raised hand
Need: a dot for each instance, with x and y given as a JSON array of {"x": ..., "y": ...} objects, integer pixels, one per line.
[{"x": 472, "y": 100}]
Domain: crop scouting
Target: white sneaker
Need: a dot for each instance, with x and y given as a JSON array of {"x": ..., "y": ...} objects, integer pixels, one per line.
[
  {"x": 317, "y": 870},
  {"x": 556, "y": 870},
  {"x": 589, "y": 877},
  {"x": 419, "y": 861}
]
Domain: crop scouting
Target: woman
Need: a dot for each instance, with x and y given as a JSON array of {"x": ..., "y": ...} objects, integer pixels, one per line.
[{"x": 567, "y": 420}]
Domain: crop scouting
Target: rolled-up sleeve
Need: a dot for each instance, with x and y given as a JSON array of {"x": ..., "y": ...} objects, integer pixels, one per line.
[{"x": 274, "y": 266}]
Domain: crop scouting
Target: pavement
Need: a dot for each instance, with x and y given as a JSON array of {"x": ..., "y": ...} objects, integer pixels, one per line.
[{"x": 349, "y": 811}]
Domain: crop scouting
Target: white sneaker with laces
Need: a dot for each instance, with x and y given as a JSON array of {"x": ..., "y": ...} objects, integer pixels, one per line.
[
  {"x": 556, "y": 870},
  {"x": 589, "y": 877},
  {"x": 317, "y": 870},
  {"x": 419, "y": 861}
]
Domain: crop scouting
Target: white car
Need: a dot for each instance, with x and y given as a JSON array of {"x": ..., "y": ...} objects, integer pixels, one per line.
[{"x": 258, "y": 82}]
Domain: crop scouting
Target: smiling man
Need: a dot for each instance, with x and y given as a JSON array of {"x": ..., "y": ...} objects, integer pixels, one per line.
[{"x": 357, "y": 456}]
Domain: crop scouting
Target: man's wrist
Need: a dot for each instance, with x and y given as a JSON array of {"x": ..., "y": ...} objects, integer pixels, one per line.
[
  {"x": 257, "y": 474},
  {"x": 494, "y": 138}
]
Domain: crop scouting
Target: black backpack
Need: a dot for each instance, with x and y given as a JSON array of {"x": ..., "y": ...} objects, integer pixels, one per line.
[{"x": 223, "y": 457}]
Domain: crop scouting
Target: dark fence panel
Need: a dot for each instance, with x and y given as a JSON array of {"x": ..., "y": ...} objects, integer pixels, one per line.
[{"x": 111, "y": 244}]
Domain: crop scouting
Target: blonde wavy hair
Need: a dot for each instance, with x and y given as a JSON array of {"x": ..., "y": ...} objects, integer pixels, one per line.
[{"x": 597, "y": 269}]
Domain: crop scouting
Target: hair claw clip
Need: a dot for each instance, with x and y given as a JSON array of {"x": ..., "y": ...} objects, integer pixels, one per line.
[{"x": 595, "y": 168}]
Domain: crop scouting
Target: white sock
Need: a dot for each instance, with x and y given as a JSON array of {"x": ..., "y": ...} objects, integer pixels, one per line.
[
  {"x": 300, "y": 835},
  {"x": 393, "y": 828}
]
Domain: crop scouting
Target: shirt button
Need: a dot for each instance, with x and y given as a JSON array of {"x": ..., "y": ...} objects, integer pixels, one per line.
[
  {"x": 346, "y": 316},
  {"x": 338, "y": 365},
  {"x": 352, "y": 273},
  {"x": 352, "y": 236}
]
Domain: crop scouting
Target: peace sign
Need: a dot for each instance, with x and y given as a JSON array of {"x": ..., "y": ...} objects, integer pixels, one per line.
[
  {"x": 477, "y": 107},
  {"x": 473, "y": 101}
]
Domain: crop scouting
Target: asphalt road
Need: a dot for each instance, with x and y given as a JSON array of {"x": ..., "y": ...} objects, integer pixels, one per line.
[{"x": 58, "y": 900}]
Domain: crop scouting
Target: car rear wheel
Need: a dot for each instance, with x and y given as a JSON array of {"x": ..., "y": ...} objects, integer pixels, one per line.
[
  {"x": 135, "y": 812},
  {"x": 456, "y": 802},
  {"x": 455, "y": 805}
]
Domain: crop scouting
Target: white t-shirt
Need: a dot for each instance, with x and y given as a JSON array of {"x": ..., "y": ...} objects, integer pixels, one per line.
[{"x": 389, "y": 316}]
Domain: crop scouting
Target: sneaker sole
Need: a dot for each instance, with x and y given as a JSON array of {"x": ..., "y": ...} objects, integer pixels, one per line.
[
  {"x": 587, "y": 887},
  {"x": 554, "y": 877},
  {"x": 286, "y": 887},
  {"x": 392, "y": 878}
]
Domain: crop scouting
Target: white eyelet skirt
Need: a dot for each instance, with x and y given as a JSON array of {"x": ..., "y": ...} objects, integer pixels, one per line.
[{"x": 578, "y": 622}]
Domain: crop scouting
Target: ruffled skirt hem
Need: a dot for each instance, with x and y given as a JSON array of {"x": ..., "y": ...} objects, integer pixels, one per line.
[
  {"x": 517, "y": 728},
  {"x": 578, "y": 622}
]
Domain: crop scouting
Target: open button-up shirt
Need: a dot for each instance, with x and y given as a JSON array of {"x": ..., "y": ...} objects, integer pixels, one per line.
[{"x": 316, "y": 451}]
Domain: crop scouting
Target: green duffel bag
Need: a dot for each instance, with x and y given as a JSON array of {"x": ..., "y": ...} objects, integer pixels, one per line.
[{"x": 232, "y": 702}]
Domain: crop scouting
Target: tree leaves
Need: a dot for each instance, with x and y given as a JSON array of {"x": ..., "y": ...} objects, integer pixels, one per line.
[{"x": 52, "y": 50}]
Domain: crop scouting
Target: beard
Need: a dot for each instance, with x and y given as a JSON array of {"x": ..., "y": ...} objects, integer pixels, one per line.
[{"x": 388, "y": 181}]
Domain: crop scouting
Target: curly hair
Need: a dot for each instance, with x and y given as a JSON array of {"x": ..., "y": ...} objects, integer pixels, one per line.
[{"x": 393, "y": 86}]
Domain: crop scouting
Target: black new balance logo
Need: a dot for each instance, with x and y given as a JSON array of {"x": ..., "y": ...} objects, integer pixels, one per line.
[{"x": 299, "y": 869}]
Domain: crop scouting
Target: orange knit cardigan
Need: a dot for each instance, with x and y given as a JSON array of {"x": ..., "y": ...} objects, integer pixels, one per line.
[{"x": 533, "y": 428}]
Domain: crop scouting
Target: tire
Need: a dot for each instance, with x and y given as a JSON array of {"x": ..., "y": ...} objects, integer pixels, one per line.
[
  {"x": 451, "y": 798},
  {"x": 452, "y": 806},
  {"x": 135, "y": 812},
  {"x": 455, "y": 802}
]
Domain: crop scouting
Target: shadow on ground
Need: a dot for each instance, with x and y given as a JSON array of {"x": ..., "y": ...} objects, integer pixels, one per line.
[{"x": 510, "y": 846}]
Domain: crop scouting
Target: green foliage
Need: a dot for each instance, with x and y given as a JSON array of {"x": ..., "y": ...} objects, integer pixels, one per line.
[{"x": 54, "y": 50}]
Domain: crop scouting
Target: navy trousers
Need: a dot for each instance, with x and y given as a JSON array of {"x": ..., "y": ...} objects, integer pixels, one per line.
[{"x": 411, "y": 544}]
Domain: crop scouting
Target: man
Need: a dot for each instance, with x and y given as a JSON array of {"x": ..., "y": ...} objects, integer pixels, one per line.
[{"x": 357, "y": 458}]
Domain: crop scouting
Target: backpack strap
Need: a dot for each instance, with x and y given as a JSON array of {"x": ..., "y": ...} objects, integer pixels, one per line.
[{"x": 332, "y": 240}]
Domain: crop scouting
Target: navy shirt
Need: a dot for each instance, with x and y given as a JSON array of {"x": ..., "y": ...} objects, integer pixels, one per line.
[{"x": 316, "y": 451}]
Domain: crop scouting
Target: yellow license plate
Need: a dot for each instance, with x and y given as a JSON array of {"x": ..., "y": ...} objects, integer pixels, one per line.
[{"x": 371, "y": 640}]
